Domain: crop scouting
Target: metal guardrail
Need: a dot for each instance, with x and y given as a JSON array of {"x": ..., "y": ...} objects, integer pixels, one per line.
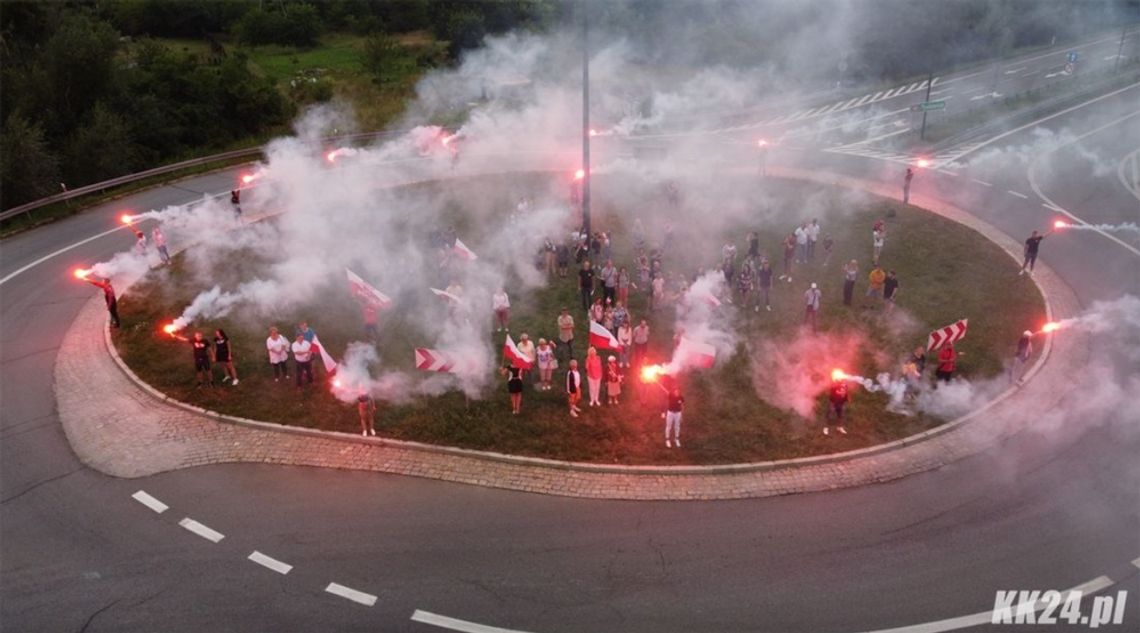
[{"x": 165, "y": 169}]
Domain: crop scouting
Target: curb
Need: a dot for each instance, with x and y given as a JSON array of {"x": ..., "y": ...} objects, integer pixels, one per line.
[{"x": 667, "y": 471}]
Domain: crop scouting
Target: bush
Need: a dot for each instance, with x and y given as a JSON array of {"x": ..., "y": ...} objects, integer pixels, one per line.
[{"x": 297, "y": 25}]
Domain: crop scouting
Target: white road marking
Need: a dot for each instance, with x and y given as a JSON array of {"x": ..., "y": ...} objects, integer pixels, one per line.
[
  {"x": 1044, "y": 119},
  {"x": 877, "y": 95},
  {"x": 1015, "y": 70},
  {"x": 985, "y": 617},
  {"x": 1110, "y": 58},
  {"x": 912, "y": 87},
  {"x": 982, "y": 182},
  {"x": 1050, "y": 206},
  {"x": 1017, "y": 193},
  {"x": 270, "y": 562},
  {"x": 201, "y": 530},
  {"x": 60, "y": 252},
  {"x": 948, "y": 173},
  {"x": 444, "y": 622},
  {"x": 150, "y": 502},
  {"x": 365, "y": 599},
  {"x": 863, "y": 100},
  {"x": 938, "y": 92},
  {"x": 1136, "y": 563}
]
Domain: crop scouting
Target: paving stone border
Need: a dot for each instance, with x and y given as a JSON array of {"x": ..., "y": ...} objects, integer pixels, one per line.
[{"x": 122, "y": 426}]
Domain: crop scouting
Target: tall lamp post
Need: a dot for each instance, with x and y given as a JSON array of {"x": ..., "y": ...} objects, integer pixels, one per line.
[{"x": 585, "y": 118}]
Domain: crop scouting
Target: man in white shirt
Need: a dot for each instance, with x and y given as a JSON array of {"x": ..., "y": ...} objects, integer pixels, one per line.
[
  {"x": 812, "y": 297},
  {"x": 801, "y": 243},
  {"x": 812, "y": 237},
  {"x": 278, "y": 347},
  {"x": 303, "y": 355}
]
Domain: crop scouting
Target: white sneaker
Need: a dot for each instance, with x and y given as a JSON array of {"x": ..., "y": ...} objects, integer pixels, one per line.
[
  {"x": 236, "y": 381},
  {"x": 573, "y": 414},
  {"x": 364, "y": 433},
  {"x": 826, "y": 431},
  {"x": 1021, "y": 272},
  {"x": 842, "y": 430},
  {"x": 789, "y": 280},
  {"x": 668, "y": 444},
  {"x": 372, "y": 431},
  {"x": 677, "y": 442},
  {"x": 769, "y": 308}
]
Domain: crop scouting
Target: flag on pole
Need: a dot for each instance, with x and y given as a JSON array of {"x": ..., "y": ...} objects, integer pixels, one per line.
[
  {"x": 690, "y": 353},
  {"x": 601, "y": 338},
  {"x": 326, "y": 358},
  {"x": 515, "y": 355},
  {"x": 461, "y": 250},
  {"x": 363, "y": 291}
]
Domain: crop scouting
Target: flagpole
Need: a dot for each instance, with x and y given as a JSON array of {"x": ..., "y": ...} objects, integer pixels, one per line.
[{"x": 585, "y": 118}]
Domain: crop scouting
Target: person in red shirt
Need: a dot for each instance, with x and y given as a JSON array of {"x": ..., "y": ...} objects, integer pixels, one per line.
[
  {"x": 109, "y": 298},
  {"x": 947, "y": 360},
  {"x": 837, "y": 400},
  {"x": 594, "y": 376}
]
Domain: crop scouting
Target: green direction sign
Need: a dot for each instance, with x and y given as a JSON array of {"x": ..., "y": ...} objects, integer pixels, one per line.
[{"x": 928, "y": 106}]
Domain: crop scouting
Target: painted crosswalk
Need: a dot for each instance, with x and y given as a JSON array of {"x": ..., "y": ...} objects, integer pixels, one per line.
[{"x": 846, "y": 104}]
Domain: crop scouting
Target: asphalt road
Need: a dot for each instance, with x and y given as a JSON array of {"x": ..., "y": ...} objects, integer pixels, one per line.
[{"x": 1048, "y": 510}]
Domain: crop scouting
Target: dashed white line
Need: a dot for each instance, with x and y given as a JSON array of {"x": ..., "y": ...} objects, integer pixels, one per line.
[
  {"x": 877, "y": 95},
  {"x": 982, "y": 182},
  {"x": 1018, "y": 194},
  {"x": 150, "y": 502},
  {"x": 948, "y": 173},
  {"x": 1051, "y": 207},
  {"x": 1013, "y": 71},
  {"x": 365, "y": 599},
  {"x": 444, "y": 622},
  {"x": 270, "y": 563},
  {"x": 863, "y": 100},
  {"x": 201, "y": 530},
  {"x": 1136, "y": 563}
]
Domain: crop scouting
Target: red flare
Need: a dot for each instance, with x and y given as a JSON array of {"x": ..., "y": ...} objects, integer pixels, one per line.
[
  {"x": 922, "y": 162},
  {"x": 331, "y": 156},
  {"x": 838, "y": 375},
  {"x": 650, "y": 373},
  {"x": 593, "y": 132},
  {"x": 1050, "y": 327},
  {"x": 81, "y": 273},
  {"x": 126, "y": 218},
  {"x": 169, "y": 328},
  {"x": 762, "y": 143},
  {"x": 1060, "y": 224},
  {"x": 247, "y": 178},
  {"x": 580, "y": 174}
]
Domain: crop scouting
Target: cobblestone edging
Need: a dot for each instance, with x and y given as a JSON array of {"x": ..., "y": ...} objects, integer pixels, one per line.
[{"x": 121, "y": 426}]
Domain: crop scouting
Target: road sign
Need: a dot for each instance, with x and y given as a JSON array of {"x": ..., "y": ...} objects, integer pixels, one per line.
[
  {"x": 927, "y": 106},
  {"x": 950, "y": 334},
  {"x": 433, "y": 360}
]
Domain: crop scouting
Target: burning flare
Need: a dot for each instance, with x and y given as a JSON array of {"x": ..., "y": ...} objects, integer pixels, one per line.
[
  {"x": 1050, "y": 327},
  {"x": 838, "y": 375},
  {"x": 922, "y": 162},
  {"x": 81, "y": 273},
  {"x": 1060, "y": 224},
  {"x": 170, "y": 328},
  {"x": 126, "y": 218},
  {"x": 580, "y": 174},
  {"x": 762, "y": 143},
  {"x": 650, "y": 373}
]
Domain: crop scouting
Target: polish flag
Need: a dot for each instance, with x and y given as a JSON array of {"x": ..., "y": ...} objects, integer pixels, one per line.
[
  {"x": 517, "y": 358},
  {"x": 690, "y": 353},
  {"x": 601, "y": 338},
  {"x": 446, "y": 295},
  {"x": 363, "y": 291},
  {"x": 461, "y": 250},
  {"x": 711, "y": 299},
  {"x": 326, "y": 359}
]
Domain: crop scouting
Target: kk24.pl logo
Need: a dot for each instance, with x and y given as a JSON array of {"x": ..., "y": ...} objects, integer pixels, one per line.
[{"x": 1050, "y": 607}]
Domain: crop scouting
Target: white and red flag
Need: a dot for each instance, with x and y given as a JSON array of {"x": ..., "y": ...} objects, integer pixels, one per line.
[
  {"x": 602, "y": 338},
  {"x": 326, "y": 359},
  {"x": 364, "y": 291},
  {"x": 433, "y": 360},
  {"x": 447, "y": 295},
  {"x": 711, "y": 299},
  {"x": 950, "y": 334},
  {"x": 515, "y": 355},
  {"x": 460, "y": 249},
  {"x": 690, "y": 353}
]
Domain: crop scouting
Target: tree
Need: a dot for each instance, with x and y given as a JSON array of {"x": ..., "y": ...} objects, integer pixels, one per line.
[
  {"x": 384, "y": 58},
  {"x": 101, "y": 148},
  {"x": 78, "y": 63},
  {"x": 28, "y": 169}
]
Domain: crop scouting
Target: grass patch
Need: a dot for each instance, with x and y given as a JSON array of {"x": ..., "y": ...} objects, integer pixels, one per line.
[{"x": 946, "y": 271}]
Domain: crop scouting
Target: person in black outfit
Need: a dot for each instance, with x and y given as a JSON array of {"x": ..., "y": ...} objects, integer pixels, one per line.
[
  {"x": 906, "y": 184},
  {"x": 514, "y": 387},
  {"x": 109, "y": 298},
  {"x": 890, "y": 289},
  {"x": 1032, "y": 243},
  {"x": 201, "y": 348},
  {"x": 224, "y": 356},
  {"x": 586, "y": 284}
]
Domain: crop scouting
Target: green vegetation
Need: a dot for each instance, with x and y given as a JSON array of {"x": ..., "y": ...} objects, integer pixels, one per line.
[{"x": 946, "y": 271}]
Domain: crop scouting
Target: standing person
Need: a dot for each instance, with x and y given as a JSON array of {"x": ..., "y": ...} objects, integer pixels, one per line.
[
  {"x": 1021, "y": 357},
  {"x": 546, "y": 364},
  {"x": 658, "y": 297},
  {"x": 850, "y": 272},
  {"x": 801, "y": 234},
  {"x": 753, "y": 245},
  {"x": 789, "y": 255},
  {"x": 278, "y": 348},
  {"x": 623, "y": 284},
  {"x": 223, "y": 355},
  {"x": 812, "y": 297},
  {"x": 549, "y": 255},
  {"x": 673, "y": 410},
  {"x": 514, "y": 386},
  {"x": 160, "y": 245},
  {"x": 108, "y": 298},
  {"x": 614, "y": 379},
  {"x": 828, "y": 244},
  {"x": 586, "y": 284},
  {"x": 906, "y": 184},
  {"x": 609, "y": 281},
  {"x": 876, "y": 280},
  {"x": 303, "y": 357},
  {"x": 890, "y": 290},
  {"x": 837, "y": 400},
  {"x": 643, "y": 271},
  {"x": 640, "y": 343},
  {"x": 562, "y": 256},
  {"x": 200, "y": 346},
  {"x": 366, "y": 408},
  {"x": 526, "y": 346},
  {"x": 235, "y": 201},
  {"x": 597, "y": 311},
  {"x": 594, "y": 376},
  {"x": 947, "y": 363},
  {"x": 370, "y": 314},
  {"x": 878, "y": 240},
  {"x": 566, "y": 333},
  {"x": 501, "y": 305},
  {"x": 140, "y": 242},
  {"x": 621, "y": 315},
  {"x": 1032, "y": 243},
  {"x": 744, "y": 282},
  {"x": 918, "y": 358},
  {"x": 813, "y": 237},
  {"x": 573, "y": 388},
  {"x": 625, "y": 338},
  {"x": 764, "y": 279}
]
